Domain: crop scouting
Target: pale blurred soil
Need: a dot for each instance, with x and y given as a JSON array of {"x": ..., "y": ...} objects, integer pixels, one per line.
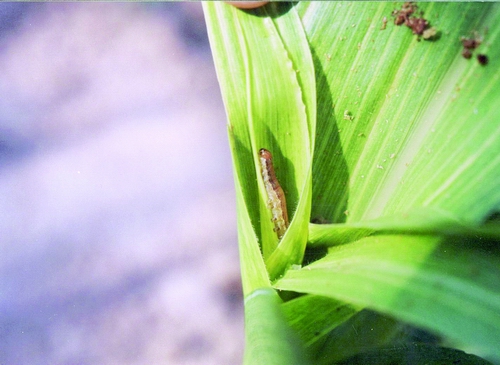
[{"x": 117, "y": 214}]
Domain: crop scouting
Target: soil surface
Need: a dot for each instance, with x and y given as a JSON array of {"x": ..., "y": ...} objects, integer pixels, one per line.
[{"x": 117, "y": 215}]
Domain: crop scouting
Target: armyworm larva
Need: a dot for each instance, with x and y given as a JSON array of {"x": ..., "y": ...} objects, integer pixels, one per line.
[{"x": 276, "y": 196}]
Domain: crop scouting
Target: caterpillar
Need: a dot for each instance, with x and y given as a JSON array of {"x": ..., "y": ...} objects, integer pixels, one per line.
[{"x": 276, "y": 197}]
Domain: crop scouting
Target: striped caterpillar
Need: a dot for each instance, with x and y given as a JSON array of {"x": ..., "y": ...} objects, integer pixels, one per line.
[{"x": 276, "y": 196}]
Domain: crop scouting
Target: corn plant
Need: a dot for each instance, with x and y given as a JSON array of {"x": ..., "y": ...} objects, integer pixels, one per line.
[{"x": 383, "y": 121}]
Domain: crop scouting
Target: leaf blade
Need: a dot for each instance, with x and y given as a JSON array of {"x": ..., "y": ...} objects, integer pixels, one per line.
[{"x": 440, "y": 286}]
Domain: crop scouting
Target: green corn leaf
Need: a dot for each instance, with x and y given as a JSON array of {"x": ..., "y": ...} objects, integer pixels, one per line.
[
  {"x": 444, "y": 285},
  {"x": 418, "y": 221},
  {"x": 313, "y": 316},
  {"x": 404, "y": 123},
  {"x": 269, "y": 338},
  {"x": 392, "y": 139},
  {"x": 253, "y": 49}
]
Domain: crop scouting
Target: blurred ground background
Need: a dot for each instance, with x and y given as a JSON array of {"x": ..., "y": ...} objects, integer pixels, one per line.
[{"x": 117, "y": 218}]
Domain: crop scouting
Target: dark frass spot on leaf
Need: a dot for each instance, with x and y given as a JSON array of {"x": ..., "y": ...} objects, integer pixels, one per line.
[
  {"x": 418, "y": 24},
  {"x": 466, "y": 53},
  {"x": 470, "y": 44},
  {"x": 482, "y": 59},
  {"x": 401, "y": 16}
]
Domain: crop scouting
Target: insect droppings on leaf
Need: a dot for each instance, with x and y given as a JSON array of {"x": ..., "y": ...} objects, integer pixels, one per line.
[
  {"x": 466, "y": 53},
  {"x": 482, "y": 59},
  {"x": 470, "y": 44},
  {"x": 418, "y": 24}
]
